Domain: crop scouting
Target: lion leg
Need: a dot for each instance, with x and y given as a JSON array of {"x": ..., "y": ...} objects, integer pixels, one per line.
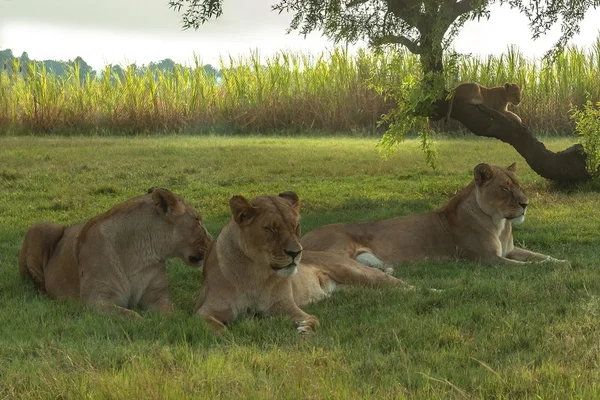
[
  {"x": 216, "y": 326},
  {"x": 217, "y": 313},
  {"x": 498, "y": 260},
  {"x": 304, "y": 323},
  {"x": 477, "y": 99},
  {"x": 39, "y": 243},
  {"x": 512, "y": 115},
  {"x": 371, "y": 260},
  {"x": 200, "y": 299},
  {"x": 109, "y": 307},
  {"x": 156, "y": 296},
  {"x": 102, "y": 295},
  {"x": 531, "y": 256},
  {"x": 350, "y": 272}
]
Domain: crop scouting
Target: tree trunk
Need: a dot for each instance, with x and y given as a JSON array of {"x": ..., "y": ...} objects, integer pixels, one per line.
[
  {"x": 432, "y": 65},
  {"x": 567, "y": 166}
]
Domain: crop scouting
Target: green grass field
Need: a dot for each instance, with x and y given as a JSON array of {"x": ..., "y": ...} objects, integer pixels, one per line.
[{"x": 495, "y": 332}]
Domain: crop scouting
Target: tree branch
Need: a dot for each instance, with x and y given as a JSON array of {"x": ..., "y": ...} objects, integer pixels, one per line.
[
  {"x": 356, "y": 3},
  {"x": 567, "y": 166},
  {"x": 411, "y": 45},
  {"x": 400, "y": 7},
  {"x": 462, "y": 7}
]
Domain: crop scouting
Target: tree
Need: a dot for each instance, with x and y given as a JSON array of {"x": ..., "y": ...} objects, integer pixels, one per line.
[
  {"x": 84, "y": 69},
  {"x": 426, "y": 28},
  {"x": 6, "y": 59}
]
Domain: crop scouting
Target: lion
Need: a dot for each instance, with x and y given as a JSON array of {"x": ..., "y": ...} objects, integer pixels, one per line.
[
  {"x": 496, "y": 97},
  {"x": 476, "y": 225},
  {"x": 257, "y": 263},
  {"x": 116, "y": 261}
]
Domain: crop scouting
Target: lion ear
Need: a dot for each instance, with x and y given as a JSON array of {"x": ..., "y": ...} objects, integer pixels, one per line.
[
  {"x": 166, "y": 202},
  {"x": 507, "y": 86},
  {"x": 483, "y": 173},
  {"x": 292, "y": 197},
  {"x": 512, "y": 167},
  {"x": 241, "y": 210}
]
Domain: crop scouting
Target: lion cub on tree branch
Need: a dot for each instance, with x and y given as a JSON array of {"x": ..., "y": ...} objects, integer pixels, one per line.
[
  {"x": 255, "y": 264},
  {"x": 496, "y": 97}
]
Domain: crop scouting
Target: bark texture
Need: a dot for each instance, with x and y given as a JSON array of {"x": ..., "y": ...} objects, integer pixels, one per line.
[{"x": 566, "y": 166}]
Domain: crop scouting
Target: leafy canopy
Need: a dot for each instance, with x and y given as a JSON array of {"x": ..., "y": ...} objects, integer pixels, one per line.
[{"x": 416, "y": 24}]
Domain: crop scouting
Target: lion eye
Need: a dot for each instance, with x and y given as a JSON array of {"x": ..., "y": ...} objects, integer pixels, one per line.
[
  {"x": 269, "y": 229},
  {"x": 506, "y": 189}
]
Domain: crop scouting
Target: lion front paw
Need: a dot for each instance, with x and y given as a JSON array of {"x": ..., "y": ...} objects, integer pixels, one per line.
[
  {"x": 308, "y": 325},
  {"x": 216, "y": 326}
]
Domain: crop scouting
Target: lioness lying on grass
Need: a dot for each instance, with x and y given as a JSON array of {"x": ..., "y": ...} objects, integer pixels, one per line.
[
  {"x": 116, "y": 261},
  {"x": 257, "y": 263},
  {"x": 476, "y": 224}
]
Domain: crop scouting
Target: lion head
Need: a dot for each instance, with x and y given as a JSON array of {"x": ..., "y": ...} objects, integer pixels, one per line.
[
  {"x": 269, "y": 230},
  {"x": 181, "y": 227},
  {"x": 513, "y": 93},
  {"x": 498, "y": 192}
]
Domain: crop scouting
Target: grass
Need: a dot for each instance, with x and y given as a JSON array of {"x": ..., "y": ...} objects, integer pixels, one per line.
[
  {"x": 283, "y": 92},
  {"x": 495, "y": 332}
]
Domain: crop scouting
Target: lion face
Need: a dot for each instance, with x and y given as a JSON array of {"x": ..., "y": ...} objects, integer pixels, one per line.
[
  {"x": 499, "y": 194},
  {"x": 513, "y": 93},
  {"x": 184, "y": 234},
  {"x": 270, "y": 230}
]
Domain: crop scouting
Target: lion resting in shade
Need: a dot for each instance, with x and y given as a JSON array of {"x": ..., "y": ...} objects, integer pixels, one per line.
[
  {"x": 257, "y": 263},
  {"x": 116, "y": 261},
  {"x": 476, "y": 224}
]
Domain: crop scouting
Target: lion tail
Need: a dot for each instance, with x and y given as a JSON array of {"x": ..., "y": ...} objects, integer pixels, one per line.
[{"x": 39, "y": 244}]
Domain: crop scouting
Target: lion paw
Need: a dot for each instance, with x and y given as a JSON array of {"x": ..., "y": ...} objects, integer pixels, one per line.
[
  {"x": 135, "y": 315},
  {"x": 307, "y": 326},
  {"x": 215, "y": 325},
  {"x": 388, "y": 270},
  {"x": 553, "y": 260}
]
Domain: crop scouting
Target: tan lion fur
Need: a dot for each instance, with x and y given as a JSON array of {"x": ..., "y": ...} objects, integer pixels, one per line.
[
  {"x": 257, "y": 263},
  {"x": 116, "y": 261},
  {"x": 496, "y": 97},
  {"x": 476, "y": 224}
]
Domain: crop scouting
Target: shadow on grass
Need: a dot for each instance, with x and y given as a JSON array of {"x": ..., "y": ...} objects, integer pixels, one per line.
[{"x": 570, "y": 188}]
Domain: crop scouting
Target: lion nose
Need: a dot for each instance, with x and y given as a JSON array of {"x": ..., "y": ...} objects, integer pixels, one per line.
[
  {"x": 523, "y": 205},
  {"x": 292, "y": 254}
]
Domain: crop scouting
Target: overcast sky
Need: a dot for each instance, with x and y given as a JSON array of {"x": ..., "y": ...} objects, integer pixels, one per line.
[{"x": 125, "y": 31}]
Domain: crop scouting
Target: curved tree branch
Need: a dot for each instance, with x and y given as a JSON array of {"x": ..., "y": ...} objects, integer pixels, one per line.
[
  {"x": 411, "y": 45},
  {"x": 567, "y": 166},
  {"x": 355, "y": 3},
  {"x": 462, "y": 7}
]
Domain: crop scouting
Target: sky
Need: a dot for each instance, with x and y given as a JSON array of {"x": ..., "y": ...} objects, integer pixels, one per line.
[{"x": 141, "y": 31}]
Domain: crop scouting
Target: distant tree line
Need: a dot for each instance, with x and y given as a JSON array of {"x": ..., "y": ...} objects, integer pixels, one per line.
[{"x": 60, "y": 68}]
